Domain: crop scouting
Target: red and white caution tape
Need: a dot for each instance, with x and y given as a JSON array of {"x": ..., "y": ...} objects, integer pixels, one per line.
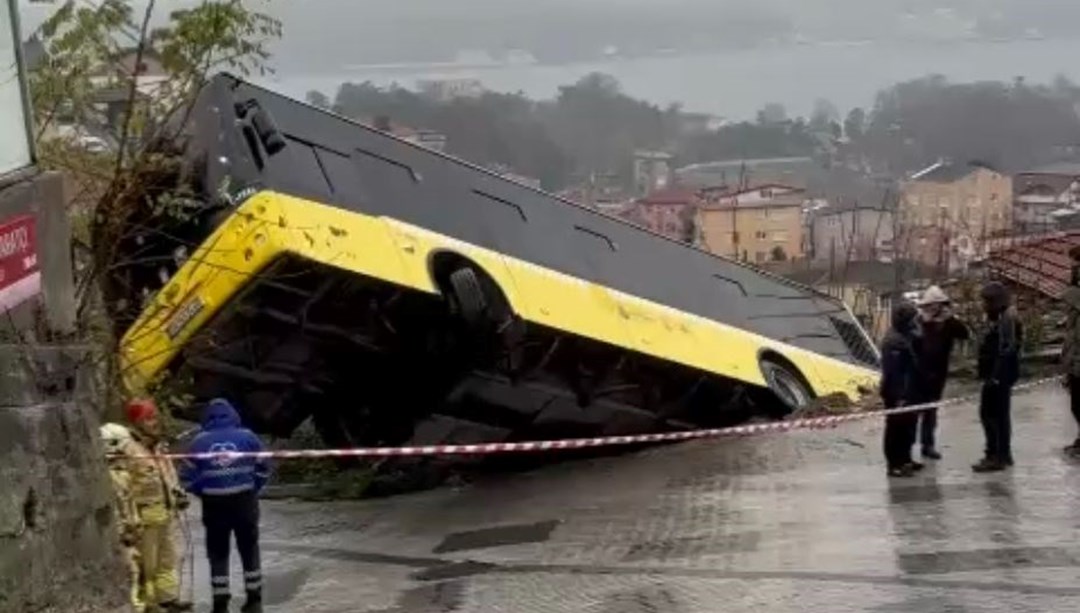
[{"x": 809, "y": 423}]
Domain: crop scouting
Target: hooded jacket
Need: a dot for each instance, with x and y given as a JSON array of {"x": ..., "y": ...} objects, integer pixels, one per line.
[
  {"x": 999, "y": 350},
  {"x": 899, "y": 366},
  {"x": 224, "y": 476}
]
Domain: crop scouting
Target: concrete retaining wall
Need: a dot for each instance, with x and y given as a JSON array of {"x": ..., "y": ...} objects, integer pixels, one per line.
[{"x": 58, "y": 548}]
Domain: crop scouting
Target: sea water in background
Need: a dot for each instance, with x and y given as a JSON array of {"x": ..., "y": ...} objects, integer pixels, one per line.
[{"x": 735, "y": 84}]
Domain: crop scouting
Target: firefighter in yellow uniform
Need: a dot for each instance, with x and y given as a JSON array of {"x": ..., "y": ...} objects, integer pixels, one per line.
[
  {"x": 117, "y": 441},
  {"x": 156, "y": 493}
]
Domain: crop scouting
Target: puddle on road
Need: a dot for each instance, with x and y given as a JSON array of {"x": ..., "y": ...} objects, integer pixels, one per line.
[
  {"x": 647, "y": 599},
  {"x": 694, "y": 546},
  {"x": 943, "y": 562},
  {"x": 497, "y": 537},
  {"x": 934, "y": 492},
  {"x": 437, "y": 597}
]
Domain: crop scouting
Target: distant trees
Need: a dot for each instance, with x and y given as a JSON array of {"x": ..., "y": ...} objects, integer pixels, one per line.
[
  {"x": 1010, "y": 125},
  {"x": 771, "y": 114},
  {"x": 825, "y": 118},
  {"x": 855, "y": 124},
  {"x": 599, "y": 126},
  {"x": 593, "y": 128},
  {"x": 319, "y": 99},
  {"x": 747, "y": 140}
]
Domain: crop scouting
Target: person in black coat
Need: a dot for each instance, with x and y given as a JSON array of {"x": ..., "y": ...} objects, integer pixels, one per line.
[
  {"x": 899, "y": 387},
  {"x": 939, "y": 331},
  {"x": 999, "y": 369},
  {"x": 1070, "y": 349}
]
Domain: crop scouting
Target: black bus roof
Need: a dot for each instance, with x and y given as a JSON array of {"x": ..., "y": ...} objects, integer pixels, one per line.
[{"x": 337, "y": 161}]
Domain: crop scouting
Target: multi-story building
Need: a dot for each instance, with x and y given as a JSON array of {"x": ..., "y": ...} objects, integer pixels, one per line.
[
  {"x": 603, "y": 193},
  {"x": 947, "y": 212},
  {"x": 431, "y": 139},
  {"x": 760, "y": 225},
  {"x": 652, "y": 171},
  {"x": 795, "y": 171},
  {"x": 1043, "y": 196},
  {"x": 450, "y": 89}
]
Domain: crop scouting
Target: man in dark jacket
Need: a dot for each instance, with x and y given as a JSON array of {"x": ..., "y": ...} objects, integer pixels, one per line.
[
  {"x": 939, "y": 331},
  {"x": 899, "y": 385},
  {"x": 999, "y": 368},
  {"x": 1070, "y": 349},
  {"x": 229, "y": 488}
]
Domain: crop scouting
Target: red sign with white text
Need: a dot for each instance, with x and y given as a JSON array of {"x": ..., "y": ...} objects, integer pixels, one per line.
[{"x": 20, "y": 277}]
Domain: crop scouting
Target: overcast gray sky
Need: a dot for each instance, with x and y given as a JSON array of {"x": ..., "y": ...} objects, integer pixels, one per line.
[
  {"x": 759, "y": 46},
  {"x": 378, "y": 31}
]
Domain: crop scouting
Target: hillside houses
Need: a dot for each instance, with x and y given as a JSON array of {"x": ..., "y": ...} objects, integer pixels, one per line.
[{"x": 948, "y": 210}]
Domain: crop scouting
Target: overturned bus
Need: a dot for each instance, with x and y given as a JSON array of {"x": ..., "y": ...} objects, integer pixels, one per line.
[{"x": 396, "y": 295}]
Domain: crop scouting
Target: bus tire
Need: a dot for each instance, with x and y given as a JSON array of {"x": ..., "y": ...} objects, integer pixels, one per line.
[
  {"x": 468, "y": 297},
  {"x": 786, "y": 384}
]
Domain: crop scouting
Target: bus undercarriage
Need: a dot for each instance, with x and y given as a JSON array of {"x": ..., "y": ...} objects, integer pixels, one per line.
[{"x": 375, "y": 364}]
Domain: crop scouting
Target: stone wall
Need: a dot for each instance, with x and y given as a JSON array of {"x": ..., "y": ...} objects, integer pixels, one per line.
[
  {"x": 57, "y": 533},
  {"x": 57, "y": 539}
]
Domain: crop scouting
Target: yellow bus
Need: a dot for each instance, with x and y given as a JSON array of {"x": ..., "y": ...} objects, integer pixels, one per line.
[{"x": 394, "y": 294}]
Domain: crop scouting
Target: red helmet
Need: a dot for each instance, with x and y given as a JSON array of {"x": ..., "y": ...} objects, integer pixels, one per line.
[{"x": 140, "y": 410}]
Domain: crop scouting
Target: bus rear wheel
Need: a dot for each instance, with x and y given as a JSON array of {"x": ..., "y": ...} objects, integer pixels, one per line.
[
  {"x": 468, "y": 298},
  {"x": 787, "y": 385}
]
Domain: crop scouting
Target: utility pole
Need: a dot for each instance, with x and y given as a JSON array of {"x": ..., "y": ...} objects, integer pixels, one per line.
[
  {"x": 942, "y": 237},
  {"x": 832, "y": 261},
  {"x": 735, "y": 211}
]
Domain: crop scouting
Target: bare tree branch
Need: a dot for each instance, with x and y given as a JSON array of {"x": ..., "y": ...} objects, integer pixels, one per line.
[{"x": 133, "y": 87}]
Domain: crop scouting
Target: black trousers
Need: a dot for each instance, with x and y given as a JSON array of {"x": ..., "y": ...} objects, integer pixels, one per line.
[
  {"x": 899, "y": 437},
  {"x": 995, "y": 407},
  {"x": 1074, "y": 399},
  {"x": 928, "y": 419},
  {"x": 225, "y": 517}
]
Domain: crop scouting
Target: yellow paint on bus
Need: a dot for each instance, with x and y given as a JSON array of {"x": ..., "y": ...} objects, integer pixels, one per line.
[{"x": 269, "y": 225}]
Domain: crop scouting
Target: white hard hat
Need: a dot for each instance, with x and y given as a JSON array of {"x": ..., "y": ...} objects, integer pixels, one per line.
[
  {"x": 115, "y": 437},
  {"x": 933, "y": 295}
]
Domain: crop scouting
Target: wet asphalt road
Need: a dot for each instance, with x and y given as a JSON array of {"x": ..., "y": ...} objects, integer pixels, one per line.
[{"x": 799, "y": 522}]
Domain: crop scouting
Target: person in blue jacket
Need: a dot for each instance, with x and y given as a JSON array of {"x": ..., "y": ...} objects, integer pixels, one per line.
[{"x": 229, "y": 489}]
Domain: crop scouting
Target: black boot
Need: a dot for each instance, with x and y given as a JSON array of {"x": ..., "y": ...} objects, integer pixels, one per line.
[
  {"x": 989, "y": 465},
  {"x": 253, "y": 604},
  {"x": 901, "y": 471},
  {"x": 221, "y": 604}
]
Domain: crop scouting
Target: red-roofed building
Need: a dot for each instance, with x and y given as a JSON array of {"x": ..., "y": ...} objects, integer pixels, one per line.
[
  {"x": 668, "y": 211},
  {"x": 1039, "y": 263}
]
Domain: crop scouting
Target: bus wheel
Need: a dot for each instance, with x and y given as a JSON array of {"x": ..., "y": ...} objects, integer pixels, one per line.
[
  {"x": 786, "y": 385},
  {"x": 467, "y": 296}
]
